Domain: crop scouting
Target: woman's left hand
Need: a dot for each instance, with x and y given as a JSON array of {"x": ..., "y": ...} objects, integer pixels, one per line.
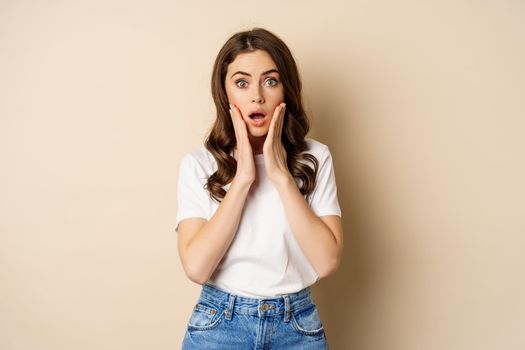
[{"x": 274, "y": 151}]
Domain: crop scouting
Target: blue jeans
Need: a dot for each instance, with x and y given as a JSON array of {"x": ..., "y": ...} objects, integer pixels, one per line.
[{"x": 221, "y": 320}]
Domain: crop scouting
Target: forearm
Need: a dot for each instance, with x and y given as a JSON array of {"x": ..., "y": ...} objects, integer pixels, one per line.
[
  {"x": 314, "y": 237},
  {"x": 209, "y": 245}
]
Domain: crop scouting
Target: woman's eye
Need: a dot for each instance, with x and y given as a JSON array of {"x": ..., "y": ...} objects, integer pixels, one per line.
[
  {"x": 272, "y": 81},
  {"x": 241, "y": 83}
]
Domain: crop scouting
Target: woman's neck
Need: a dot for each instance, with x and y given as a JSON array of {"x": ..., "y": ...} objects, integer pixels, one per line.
[{"x": 257, "y": 143}]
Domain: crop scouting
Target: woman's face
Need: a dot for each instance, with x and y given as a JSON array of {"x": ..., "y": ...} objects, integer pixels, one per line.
[{"x": 253, "y": 84}]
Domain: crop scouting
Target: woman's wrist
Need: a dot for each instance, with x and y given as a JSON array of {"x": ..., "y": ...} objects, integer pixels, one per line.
[
  {"x": 241, "y": 181},
  {"x": 284, "y": 182}
]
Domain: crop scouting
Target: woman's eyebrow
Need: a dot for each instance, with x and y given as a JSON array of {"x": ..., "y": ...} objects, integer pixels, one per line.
[{"x": 273, "y": 70}]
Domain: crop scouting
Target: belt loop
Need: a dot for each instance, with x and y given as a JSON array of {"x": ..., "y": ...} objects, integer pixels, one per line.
[
  {"x": 287, "y": 310},
  {"x": 229, "y": 308}
]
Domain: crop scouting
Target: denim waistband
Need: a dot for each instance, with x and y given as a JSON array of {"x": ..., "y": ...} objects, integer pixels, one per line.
[{"x": 260, "y": 307}]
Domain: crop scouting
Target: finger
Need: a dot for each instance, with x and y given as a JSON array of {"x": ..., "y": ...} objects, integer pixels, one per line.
[
  {"x": 243, "y": 141},
  {"x": 281, "y": 121},
  {"x": 281, "y": 148},
  {"x": 235, "y": 123},
  {"x": 278, "y": 125},
  {"x": 242, "y": 125},
  {"x": 238, "y": 121},
  {"x": 273, "y": 122}
]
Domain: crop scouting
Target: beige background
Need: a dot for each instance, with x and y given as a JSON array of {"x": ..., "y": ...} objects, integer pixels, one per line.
[{"x": 421, "y": 103}]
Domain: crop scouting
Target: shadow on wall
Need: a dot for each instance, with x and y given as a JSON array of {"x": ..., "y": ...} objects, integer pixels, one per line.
[{"x": 341, "y": 295}]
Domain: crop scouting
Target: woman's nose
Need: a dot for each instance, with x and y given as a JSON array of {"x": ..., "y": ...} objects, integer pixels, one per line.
[{"x": 257, "y": 97}]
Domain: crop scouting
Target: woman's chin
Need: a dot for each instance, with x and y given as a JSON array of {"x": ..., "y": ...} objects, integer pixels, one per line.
[{"x": 258, "y": 133}]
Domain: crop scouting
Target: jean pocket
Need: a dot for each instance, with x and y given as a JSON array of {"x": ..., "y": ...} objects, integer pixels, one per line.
[
  {"x": 205, "y": 316},
  {"x": 307, "y": 321}
]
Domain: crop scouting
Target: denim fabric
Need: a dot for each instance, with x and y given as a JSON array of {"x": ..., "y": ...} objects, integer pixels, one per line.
[{"x": 221, "y": 320}]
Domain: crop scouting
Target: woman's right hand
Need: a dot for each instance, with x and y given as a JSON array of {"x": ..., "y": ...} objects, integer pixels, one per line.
[{"x": 243, "y": 154}]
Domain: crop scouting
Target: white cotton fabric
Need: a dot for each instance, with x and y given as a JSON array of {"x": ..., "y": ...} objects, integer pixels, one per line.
[{"x": 264, "y": 258}]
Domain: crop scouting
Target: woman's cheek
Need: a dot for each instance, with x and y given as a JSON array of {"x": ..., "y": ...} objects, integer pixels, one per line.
[
  {"x": 278, "y": 95},
  {"x": 231, "y": 93},
  {"x": 236, "y": 97}
]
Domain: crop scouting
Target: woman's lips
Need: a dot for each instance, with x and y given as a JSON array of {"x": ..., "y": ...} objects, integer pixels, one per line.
[{"x": 257, "y": 119}]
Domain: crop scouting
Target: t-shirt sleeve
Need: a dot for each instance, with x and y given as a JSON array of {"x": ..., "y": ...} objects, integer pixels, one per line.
[
  {"x": 324, "y": 197},
  {"x": 192, "y": 197}
]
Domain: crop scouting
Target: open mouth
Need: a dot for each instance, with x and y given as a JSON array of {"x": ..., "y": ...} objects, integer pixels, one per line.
[
  {"x": 258, "y": 119},
  {"x": 256, "y": 116}
]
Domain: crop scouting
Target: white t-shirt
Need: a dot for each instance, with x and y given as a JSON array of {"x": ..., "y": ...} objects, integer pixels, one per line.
[{"x": 264, "y": 258}]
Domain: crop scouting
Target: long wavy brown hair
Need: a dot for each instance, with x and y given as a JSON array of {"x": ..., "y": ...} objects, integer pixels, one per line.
[{"x": 221, "y": 140}]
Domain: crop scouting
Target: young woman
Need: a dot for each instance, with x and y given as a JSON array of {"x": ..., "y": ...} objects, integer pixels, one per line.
[{"x": 258, "y": 220}]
